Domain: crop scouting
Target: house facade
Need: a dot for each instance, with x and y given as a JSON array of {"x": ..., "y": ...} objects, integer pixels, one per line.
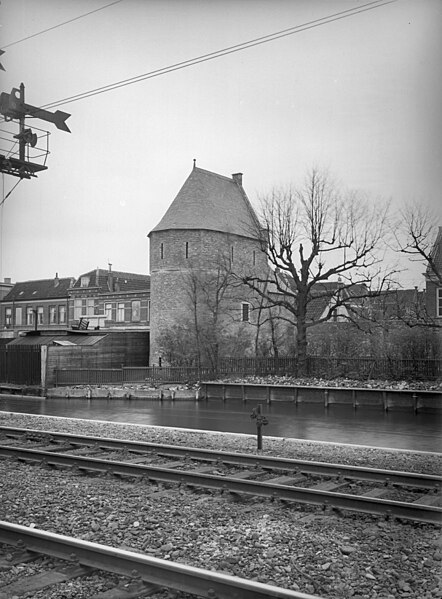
[
  {"x": 433, "y": 281},
  {"x": 104, "y": 299},
  {"x": 32, "y": 305},
  {"x": 111, "y": 300}
]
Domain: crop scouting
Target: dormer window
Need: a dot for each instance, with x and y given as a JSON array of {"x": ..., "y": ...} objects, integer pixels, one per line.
[{"x": 84, "y": 281}]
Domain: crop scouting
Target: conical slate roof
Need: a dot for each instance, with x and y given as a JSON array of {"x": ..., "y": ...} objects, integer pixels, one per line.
[{"x": 212, "y": 202}]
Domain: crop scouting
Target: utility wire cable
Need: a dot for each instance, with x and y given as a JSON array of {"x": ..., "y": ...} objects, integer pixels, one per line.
[
  {"x": 223, "y": 52},
  {"x": 60, "y": 24},
  {"x": 5, "y": 197}
]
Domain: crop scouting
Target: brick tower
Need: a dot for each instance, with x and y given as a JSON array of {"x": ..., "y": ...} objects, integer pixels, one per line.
[{"x": 210, "y": 221}]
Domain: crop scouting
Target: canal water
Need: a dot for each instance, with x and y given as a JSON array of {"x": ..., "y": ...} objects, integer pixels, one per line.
[{"x": 338, "y": 424}]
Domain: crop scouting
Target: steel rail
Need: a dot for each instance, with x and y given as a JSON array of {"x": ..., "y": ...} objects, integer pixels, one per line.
[
  {"x": 358, "y": 503},
  {"x": 205, "y": 583},
  {"x": 411, "y": 479}
]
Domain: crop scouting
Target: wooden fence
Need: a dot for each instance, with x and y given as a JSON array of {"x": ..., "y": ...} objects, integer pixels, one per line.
[
  {"x": 317, "y": 367},
  {"x": 20, "y": 365}
]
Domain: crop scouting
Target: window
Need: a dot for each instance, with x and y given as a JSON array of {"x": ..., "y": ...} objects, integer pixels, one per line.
[
  {"x": 187, "y": 249},
  {"x": 439, "y": 303},
  {"x": 52, "y": 314},
  {"x": 108, "y": 311},
  {"x": 120, "y": 313},
  {"x": 84, "y": 308},
  {"x": 8, "y": 317},
  {"x": 40, "y": 315},
  {"x": 78, "y": 310},
  {"x": 254, "y": 258},
  {"x": 148, "y": 311},
  {"x": 162, "y": 251},
  {"x": 62, "y": 314},
  {"x": 136, "y": 311},
  {"x": 245, "y": 312},
  {"x": 18, "y": 316},
  {"x": 90, "y": 307},
  {"x": 231, "y": 253},
  {"x": 29, "y": 316}
]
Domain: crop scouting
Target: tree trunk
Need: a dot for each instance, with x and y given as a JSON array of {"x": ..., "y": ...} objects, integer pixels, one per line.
[{"x": 301, "y": 337}]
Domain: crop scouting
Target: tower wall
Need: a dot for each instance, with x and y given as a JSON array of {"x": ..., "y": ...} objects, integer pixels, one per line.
[{"x": 174, "y": 252}]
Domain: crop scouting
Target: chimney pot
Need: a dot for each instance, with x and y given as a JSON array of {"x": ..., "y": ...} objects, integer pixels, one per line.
[{"x": 237, "y": 177}]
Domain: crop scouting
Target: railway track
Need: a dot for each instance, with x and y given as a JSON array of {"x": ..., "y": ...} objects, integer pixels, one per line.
[
  {"x": 386, "y": 493},
  {"x": 149, "y": 575}
]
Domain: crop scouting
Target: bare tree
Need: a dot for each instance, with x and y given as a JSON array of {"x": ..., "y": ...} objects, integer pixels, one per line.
[
  {"x": 210, "y": 293},
  {"x": 415, "y": 235},
  {"x": 311, "y": 236}
]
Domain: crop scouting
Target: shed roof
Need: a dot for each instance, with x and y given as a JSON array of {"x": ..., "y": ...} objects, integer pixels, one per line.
[
  {"x": 211, "y": 202},
  {"x": 57, "y": 339}
]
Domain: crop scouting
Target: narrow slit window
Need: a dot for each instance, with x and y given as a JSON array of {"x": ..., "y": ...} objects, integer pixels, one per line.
[
  {"x": 162, "y": 251},
  {"x": 245, "y": 312},
  {"x": 187, "y": 249}
]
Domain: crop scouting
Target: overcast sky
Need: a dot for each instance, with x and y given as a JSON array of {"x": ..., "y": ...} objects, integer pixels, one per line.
[{"x": 360, "y": 96}]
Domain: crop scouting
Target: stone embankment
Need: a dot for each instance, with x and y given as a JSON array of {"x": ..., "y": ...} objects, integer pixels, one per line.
[{"x": 193, "y": 391}]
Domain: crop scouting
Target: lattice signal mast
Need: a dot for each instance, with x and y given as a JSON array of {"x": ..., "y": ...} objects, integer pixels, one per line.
[{"x": 33, "y": 146}]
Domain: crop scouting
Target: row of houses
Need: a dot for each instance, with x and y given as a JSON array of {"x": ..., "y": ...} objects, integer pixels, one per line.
[
  {"x": 98, "y": 299},
  {"x": 210, "y": 221}
]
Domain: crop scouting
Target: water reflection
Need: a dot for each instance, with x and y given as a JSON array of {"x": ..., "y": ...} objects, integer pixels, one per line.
[{"x": 374, "y": 427}]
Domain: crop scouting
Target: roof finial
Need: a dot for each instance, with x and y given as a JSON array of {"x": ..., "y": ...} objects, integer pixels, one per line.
[{"x": 194, "y": 163}]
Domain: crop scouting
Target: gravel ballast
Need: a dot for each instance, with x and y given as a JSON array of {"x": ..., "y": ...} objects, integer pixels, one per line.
[{"x": 296, "y": 547}]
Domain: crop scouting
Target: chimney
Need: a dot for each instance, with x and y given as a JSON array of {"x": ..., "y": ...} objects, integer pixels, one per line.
[
  {"x": 56, "y": 280},
  {"x": 237, "y": 177},
  {"x": 7, "y": 280},
  {"x": 110, "y": 282},
  {"x": 97, "y": 277}
]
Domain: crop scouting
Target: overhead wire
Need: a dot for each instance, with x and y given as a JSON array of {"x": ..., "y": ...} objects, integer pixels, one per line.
[
  {"x": 5, "y": 197},
  {"x": 223, "y": 52},
  {"x": 60, "y": 24}
]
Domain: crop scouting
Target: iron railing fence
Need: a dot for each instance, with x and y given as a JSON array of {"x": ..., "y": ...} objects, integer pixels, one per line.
[
  {"x": 317, "y": 367},
  {"x": 20, "y": 365},
  {"x": 374, "y": 368}
]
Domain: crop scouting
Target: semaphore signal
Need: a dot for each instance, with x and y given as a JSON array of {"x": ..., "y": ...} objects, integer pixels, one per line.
[{"x": 33, "y": 148}]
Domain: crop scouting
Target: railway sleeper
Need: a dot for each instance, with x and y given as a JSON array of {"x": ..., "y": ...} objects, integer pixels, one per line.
[
  {"x": 18, "y": 556},
  {"x": 331, "y": 485},
  {"x": 129, "y": 591},
  {"x": 40, "y": 581},
  {"x": 430, "y": 499},
  {"x": 376, "y": 493}
]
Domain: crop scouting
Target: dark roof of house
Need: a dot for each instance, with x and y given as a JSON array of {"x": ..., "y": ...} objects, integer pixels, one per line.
[
  {"x": 121, "y": 281},
  {"x": 42, "y": 289},
  {"x": 397, "y": 302},
  {"x": 211, "y": 202}
]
